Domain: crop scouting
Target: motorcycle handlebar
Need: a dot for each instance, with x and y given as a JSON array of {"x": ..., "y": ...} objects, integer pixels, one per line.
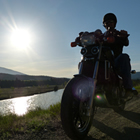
[{"x": 99, "y": 39}]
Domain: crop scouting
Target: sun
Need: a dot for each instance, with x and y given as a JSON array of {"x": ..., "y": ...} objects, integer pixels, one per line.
[{"x": 20, "y": 38}]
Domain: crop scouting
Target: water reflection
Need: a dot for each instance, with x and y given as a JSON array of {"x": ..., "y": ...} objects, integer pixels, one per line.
[{"x": 21, "y": 105}]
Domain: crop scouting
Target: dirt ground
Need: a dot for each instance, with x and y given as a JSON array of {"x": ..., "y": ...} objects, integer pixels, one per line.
[{"x": 107, "y": 125}]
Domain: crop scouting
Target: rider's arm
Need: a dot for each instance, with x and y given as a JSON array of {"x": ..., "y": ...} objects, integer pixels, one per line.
[{"x": 122, "y": 38}]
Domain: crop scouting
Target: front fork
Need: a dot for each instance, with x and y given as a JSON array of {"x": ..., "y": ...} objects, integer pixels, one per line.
[{"x": 94, "y": 82}]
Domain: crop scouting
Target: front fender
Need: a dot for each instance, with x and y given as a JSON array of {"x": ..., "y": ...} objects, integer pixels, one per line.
[{"x": 83, "y": 76}]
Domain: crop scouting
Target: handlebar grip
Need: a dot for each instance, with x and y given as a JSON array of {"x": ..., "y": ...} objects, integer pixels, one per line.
[{"x": 73, "y": 44}]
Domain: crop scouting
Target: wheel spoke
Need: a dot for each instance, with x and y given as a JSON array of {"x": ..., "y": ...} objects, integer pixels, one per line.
[
  {"x": 79, "y": 122},
  {"x": 76, "y": 118}
]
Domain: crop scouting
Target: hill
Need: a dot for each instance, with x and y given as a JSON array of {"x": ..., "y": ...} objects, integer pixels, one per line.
[
  {"x": 9, "y": 71},
  {"x": 4, "y": 76},
  {"x": 7, "y": 80},
  {"x": 8, "y": 74},
  {"x": 10, "y": 78}
]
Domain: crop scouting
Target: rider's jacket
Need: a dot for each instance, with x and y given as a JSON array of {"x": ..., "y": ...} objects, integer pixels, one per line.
[{"x": 117, "y": 45}]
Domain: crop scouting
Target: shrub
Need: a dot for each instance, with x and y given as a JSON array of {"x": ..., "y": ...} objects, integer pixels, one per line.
[{"x": 55, "y": 88}]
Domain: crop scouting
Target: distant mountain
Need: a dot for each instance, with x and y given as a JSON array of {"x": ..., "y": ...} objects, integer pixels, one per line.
[
  {"x": 7, "y": 80},
  {"x": 9, "y": 71},
  {"x": 8, "y": 74},
  {"x": 135, "y": 76}
]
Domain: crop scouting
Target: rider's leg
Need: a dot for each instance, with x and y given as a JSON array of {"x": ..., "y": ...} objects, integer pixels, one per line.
[{"x": 122, "y": 63}]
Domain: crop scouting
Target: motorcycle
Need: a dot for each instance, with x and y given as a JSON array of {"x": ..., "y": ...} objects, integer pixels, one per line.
[{"x": 97, "y": 85}]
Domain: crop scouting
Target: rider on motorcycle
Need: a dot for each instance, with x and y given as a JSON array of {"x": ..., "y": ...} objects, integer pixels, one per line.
[{"x": 121, "y": 60}]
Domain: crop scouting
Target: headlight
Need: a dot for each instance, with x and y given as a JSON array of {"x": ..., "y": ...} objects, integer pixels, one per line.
[
  {"x": 94, "y": 50},
  {"x": 83, "y": 51}
]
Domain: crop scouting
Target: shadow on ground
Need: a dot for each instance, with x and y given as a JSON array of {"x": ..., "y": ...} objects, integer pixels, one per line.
[
  {"x": 129, "y": 133},
  {"x": 135, "y": 117}
]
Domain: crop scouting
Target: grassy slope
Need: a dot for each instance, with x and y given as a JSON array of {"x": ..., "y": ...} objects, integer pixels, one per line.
[
  {"x": 138, "y": 88},
  {"x": 6, "y": 93},
  {"x": 33, "y": 121}
]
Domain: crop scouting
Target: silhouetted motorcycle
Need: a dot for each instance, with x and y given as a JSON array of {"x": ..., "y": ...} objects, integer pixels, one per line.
[{"x": 96, "y": 85}]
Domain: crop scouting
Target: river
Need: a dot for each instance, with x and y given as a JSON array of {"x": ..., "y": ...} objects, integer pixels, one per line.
[{"x": 21, "y": 105}]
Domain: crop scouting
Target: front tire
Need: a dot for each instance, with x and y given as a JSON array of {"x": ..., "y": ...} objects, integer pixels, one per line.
[{"x": 75, "y": 122}]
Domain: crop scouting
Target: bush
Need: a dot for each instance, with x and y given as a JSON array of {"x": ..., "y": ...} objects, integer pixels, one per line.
[{"x": 55, "y": 88}]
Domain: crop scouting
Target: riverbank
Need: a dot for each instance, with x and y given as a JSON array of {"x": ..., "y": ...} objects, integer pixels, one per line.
[
  {"x": 35, "y": 125},
  {"x": 7, "y": 93},
  {"x": 46, "y": 124}
]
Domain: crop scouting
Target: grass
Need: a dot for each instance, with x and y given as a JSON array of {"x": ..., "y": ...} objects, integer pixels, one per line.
[
  {"x": 6, "y": 93},
  {"x": 137, "y": 88},
  {"x": 34, "y": 120}
]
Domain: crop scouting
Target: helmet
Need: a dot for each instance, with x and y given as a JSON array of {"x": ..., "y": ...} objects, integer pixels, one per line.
[{"x": 110, "y": 16}]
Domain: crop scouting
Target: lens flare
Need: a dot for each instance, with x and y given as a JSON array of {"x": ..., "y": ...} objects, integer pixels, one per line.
[
  {"x": 81, "y": 90},
  {"x": 98, "y": 97}
]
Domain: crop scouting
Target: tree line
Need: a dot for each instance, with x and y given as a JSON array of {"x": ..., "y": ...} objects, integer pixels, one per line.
[
  {"x": 51, "y": 81},
  {"x": 26, "y": 83}
]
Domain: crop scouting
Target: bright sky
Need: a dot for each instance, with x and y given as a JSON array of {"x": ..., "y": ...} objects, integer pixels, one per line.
[{"x": 35, "y": 35}]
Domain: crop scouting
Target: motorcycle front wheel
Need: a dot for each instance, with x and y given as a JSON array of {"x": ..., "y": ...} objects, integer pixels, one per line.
[{"x": 75, "y": 121}]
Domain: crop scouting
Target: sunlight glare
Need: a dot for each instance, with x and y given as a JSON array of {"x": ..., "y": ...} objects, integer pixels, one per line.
[
  {"x": 20, "y": 38},
  {"x": 21, "y": 106}
]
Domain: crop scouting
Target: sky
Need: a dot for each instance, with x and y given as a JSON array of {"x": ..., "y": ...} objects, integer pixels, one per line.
[{"x": 35, "y": 35}]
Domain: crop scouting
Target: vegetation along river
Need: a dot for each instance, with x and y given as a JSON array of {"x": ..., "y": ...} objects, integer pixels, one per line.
[{"x": 21, "y": 105}]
